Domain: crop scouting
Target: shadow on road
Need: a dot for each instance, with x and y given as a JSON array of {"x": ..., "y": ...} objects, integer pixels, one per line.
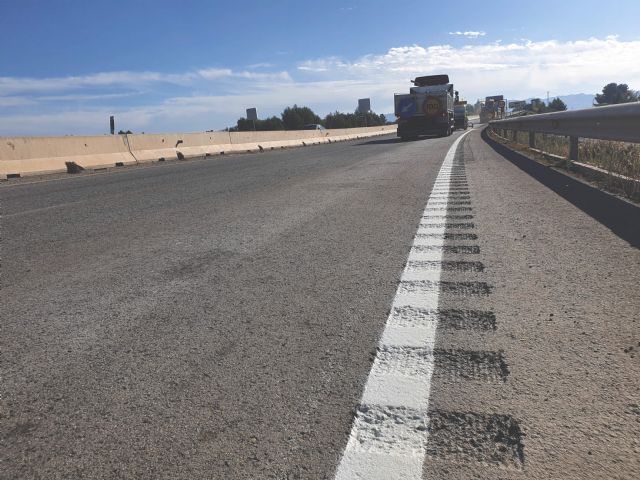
[
  {"x": 622, "y": 218},
  {"x": 384, "y": 141},
  {"x": 387, "y": 141}
]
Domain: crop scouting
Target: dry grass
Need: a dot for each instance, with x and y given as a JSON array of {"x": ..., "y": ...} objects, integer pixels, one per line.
[
  {"x": 619, "y": 158},
  {"x": 522, "y": 138},
  {"x": 555, "y": 144}
]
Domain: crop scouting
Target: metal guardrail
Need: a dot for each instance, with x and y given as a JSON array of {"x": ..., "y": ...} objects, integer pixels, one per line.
[
  {"x": 613, "y": 122},
  {"x": 521, "y": 113}
]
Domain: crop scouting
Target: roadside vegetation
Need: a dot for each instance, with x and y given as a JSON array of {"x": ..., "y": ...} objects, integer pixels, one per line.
[
  {"x": 616, "y": 158},
  {"x": 620, "y": 158},
  {"x": 295, "y": 118},
  {"x": 614, "y": 93},
  {"x": 536, "y": 105}
]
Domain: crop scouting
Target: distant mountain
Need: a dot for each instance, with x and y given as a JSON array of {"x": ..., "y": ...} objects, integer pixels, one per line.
[
  {"x": 577, "y": 101},
  {"x": 574, "y": 101}
]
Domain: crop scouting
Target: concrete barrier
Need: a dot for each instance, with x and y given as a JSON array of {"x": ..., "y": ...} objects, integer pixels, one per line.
[
  {"x": 340, "y": 134},
  {"x": 172, "y": 146},
  {"x": 204, "y": 144},
  {"x": 21, "y": 156},
  {"x": 254, "y": 141}
]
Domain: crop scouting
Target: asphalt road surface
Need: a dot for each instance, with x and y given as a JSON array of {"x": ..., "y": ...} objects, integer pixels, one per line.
[{"x": 428, "y": 308}]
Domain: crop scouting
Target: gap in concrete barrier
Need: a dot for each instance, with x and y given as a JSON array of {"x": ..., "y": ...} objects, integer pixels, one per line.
[{"x": 73, "y": 167}]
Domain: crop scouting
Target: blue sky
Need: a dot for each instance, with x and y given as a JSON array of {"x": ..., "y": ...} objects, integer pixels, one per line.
[{"x": 65, "y": 66}]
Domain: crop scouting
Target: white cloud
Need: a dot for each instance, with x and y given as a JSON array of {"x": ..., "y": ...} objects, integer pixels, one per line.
[
  {"x": 215, "y": 73},
  {"x": 469, "y": 34},
  {"x": 518, "y": 69},
  {"x": 278, "y": 76},
  {"x": 125, "y": 79},
  {"x": 75, "y": 97},
  {"x": 194, "y": 113},
  {"x": 11, "y": 85},
  {"x": 16, "y": 102},
  {"x": 213, "y": 98},
  {"x": 260, "y": 65}
]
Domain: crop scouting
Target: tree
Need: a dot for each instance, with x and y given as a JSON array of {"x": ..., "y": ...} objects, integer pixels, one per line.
[
  {"x": 269, "y": 124},
  {"x": 295, "y": 118},
  {"x": 352, "y": 120},
  {"x": 613, "y": 93},
  {"x": 469, "y": 109},
  {"x": 556, "y": 105},
  {"x": 243, "y": 125},
  {"x": 272, "y": 123},
  {"x": 340, "y": 120},
  {"x": 373, "y": 119},
  {"x": 536, "y": 106}
]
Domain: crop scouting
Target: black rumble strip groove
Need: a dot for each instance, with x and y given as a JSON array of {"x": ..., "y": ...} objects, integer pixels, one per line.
[{"x": 489, "y": 438}]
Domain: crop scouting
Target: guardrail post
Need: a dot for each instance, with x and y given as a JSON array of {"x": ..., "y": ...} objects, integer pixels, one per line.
[
  {"x": 573, "y": 148},
  {"x": 532, "y": 140}
]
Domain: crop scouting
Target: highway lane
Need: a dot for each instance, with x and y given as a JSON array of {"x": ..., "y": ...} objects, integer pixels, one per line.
[
  {"x": 548, "y": 385},
  {"x": 208, "y": 319},
  {"x": 220, "y": 318}
]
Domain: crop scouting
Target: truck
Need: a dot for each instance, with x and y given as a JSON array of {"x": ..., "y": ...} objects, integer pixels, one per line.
[
  {"x": 460, "y": 119},
  {"x": 493, "y": 108},
  {"x": 427, "y": 109}
]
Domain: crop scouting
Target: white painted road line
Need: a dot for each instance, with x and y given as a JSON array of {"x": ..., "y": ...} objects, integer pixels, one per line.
[
  {"x": 43, "y": 209},
  {"x": 389, "y": 433}
]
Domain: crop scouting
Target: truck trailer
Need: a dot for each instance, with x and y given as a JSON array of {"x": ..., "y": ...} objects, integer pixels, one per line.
[
  {"x": 460, "y": 119},
  {"x": 492, "y": 109},
  {"x": 427, "y": 109}
]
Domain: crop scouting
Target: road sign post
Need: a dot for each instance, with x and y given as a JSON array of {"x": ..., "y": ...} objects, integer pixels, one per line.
[
  {"x": 364, "y": 106},
  {"x": 252, "y": 114},
  {"x": 517, "y": 105}
]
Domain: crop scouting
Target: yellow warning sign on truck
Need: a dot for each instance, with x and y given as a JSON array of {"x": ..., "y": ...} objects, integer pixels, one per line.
[{"x": 431, "y": 106}]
